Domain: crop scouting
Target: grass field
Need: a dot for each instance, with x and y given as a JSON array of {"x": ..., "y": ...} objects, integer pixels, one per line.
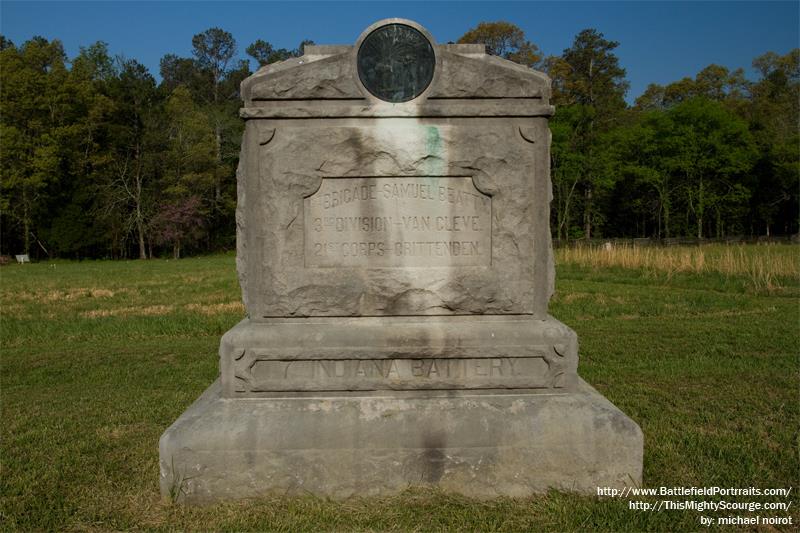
[{"x": 98, "y": 358}]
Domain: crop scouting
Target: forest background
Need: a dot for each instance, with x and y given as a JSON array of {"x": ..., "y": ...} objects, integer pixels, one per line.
[{"x": 99, "y": 160}]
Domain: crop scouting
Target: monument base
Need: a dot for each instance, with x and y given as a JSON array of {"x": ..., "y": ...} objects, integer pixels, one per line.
[
  {"x": 282, "y": 357},
  {"x": 479, "y": 445}
]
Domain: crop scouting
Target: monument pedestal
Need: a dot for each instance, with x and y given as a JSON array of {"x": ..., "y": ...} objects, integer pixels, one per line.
[
  {"x": 280, "y": 356},
  {"x": 395, "y": 259},
  {"x": 480, "y": 405},
  {"x": 480, "y": 445}
]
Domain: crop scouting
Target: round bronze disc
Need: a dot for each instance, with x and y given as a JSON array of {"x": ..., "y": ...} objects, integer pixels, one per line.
[{"x": 396, "y": 63}]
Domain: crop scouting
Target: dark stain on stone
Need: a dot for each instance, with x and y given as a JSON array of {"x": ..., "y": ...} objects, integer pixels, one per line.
[
  {"x": 433, "y": 457},
  {"x": 250, "y": 459}
]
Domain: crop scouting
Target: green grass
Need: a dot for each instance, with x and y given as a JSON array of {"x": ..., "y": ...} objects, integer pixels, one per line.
[{"x": 98, "y": 358}]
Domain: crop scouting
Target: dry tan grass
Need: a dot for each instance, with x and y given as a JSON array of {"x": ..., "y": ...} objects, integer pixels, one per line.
[
  {"x": 722, "y": 314},
  {"x": 101, "y": 293},
  {"x": 216, "y": 309},
  {"x": 575, "y": 296},
  {"x": 152, "y": 310},
  {"x": 157, "y": 310},
  {"x": 12, "y": 309},
  {"x": 67, "y": 295},
  {"x": 761, "y": 265},
  {"x": 193, "y": 279}
]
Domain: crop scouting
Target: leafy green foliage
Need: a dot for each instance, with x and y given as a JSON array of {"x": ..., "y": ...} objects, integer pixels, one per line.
[
  {"x": 42, "y": 106},
  {"x": 264, "y": 53},
  {"x": 94, "y": 154},
  {"x": 775, "y": 123},
  {"x": 694, "y": 156},
  {"x": 718, "y": 150},
  {"x": 589, "y": 87},
  {"x": 505, "y": 40},
  {"x": 94, "y": 150},
  {"x": 711, "y": 149}
]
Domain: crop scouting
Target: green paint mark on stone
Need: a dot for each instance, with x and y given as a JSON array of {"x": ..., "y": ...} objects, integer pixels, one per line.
[{"x": 435, "y": 164}]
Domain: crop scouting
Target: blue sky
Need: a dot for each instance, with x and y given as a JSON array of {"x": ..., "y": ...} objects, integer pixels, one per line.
[{"x": 660, "y": 42}]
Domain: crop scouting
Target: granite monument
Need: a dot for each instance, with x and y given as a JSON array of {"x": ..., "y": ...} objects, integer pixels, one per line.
[{"x": 395, "y": 262}]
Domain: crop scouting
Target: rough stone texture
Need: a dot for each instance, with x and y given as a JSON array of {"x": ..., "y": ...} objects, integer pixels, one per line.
[
  {"x": 332, "y": 78},
  {"x": 479, "y": 445},
  {"x": 328, "y": 73},
  {"x": 487, "y": 76},
  {"x": 483, "y": 117},
  {"x": 396, "y": 267},
  {"x": 398, "y": 353},
  {"x": 506, "y": 160}
]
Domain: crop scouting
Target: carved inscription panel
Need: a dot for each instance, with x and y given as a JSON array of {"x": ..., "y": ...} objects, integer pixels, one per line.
[
  {"x": 409, "y": 374},
  {"x": 398, "y": 222}
]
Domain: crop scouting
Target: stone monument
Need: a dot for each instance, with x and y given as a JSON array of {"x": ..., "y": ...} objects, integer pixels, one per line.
[{"x": 395, "y": 262}]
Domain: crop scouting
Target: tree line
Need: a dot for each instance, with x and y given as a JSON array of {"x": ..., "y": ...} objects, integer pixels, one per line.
[
  {"x": 710, "y": 156},
  {"x": 97, "y": 159}
]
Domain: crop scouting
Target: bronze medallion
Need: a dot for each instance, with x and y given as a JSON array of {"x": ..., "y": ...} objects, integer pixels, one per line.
[{"x": 396, "y": 62}]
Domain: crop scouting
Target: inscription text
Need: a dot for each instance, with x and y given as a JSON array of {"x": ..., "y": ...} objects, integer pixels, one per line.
[{"x": 397, "y": 222}]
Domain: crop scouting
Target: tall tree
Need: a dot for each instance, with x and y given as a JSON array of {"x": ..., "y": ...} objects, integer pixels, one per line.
[
  {"x": 189, "y": 164},
  {"x": 652, "y": 99},
  {"x": 5, "y": 43},
  {"x": 567, "y": 162},
  {"x": 74, "y": 228},
  {"x": 131, "y": 171},
  {"x": 506, "y": 40},
  {"x": 714, "y": 82},
  {"x": 185, "y": 72},
  {"x": 213, "y": 76},
  {"x": 712, "y": 150},
  {"x": 35, "y": 120},
  {"x": 213, "y": 49},
  {"x": 589, "y": 77},
  {"x": 641, "y": 151},
  {"x": 264, "y": 53},
  {"x": 775, "y": 122}
]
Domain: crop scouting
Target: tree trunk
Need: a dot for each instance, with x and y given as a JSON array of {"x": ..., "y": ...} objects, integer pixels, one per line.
[
  {"x": 138, "y": 202},
  {"x": 140, "y": 230},
  {"x": 658, "y": 218},
  {"x": 563, "y": 220},
  {"x": 587, "y": 214},
  {"x": 665, "y": 205},
  {"x": 217, "y": 185},
  {"x": 700, "y": 209},
  {"x": 176, "y": 250},
  {"x": 26, "y": 221},
  {"x": 686, "y": 224}
]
